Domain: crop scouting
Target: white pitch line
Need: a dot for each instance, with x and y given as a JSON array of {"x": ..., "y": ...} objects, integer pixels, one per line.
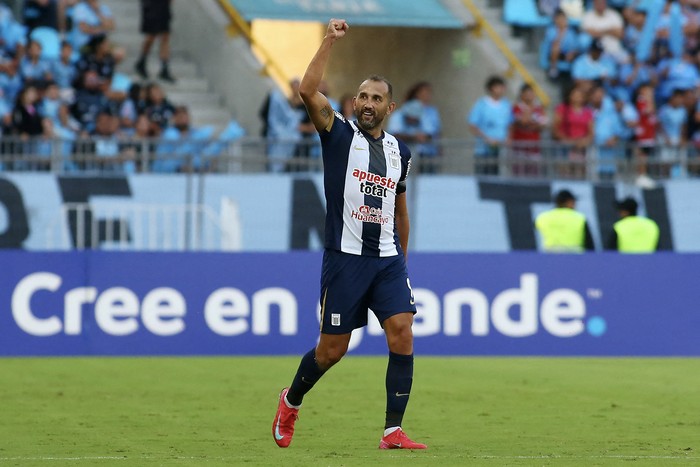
[
  {"x": 585, "y": 457},
  {"x": 204, "y": 458},
  {"x": 84, "y": 458}
]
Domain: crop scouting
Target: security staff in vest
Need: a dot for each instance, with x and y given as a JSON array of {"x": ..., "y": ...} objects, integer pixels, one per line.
[
  {"x": 632, "y": 233},
  {"x": 563, "y": 229}
]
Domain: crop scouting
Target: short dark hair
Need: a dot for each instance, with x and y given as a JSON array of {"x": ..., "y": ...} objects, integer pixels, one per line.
[
  {"x": 381, "y": 79},
  {"x": 563, "y": 196},
  {"x": 678, "y": 92},
  {"x": 526, "y": 87},
  {"x": 628, "y": 204},
  {"x": 493, "y": 81},
  {"x": 415, "y": 89}
]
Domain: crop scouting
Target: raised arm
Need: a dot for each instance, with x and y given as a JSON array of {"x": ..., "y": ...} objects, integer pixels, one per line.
[{"x": 320, "y": 111}]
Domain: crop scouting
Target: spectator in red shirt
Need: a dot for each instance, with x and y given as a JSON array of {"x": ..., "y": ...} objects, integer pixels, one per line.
[
  {"x": 645, "y": 133},
  {"x": 529, "y": 120},
  {"x": 573, "y": 128}
]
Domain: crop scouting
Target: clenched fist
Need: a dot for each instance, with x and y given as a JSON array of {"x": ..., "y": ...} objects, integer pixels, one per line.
[{"x": 337, "y": 28}]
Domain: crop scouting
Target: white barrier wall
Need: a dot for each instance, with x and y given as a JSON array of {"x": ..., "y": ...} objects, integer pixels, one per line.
[{"x": 286, "y": 212}]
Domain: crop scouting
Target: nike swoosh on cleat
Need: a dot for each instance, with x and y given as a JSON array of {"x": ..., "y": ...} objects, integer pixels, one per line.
[
  {"x": 398, "y": 445},
  {"x": 278, "y": 436}
]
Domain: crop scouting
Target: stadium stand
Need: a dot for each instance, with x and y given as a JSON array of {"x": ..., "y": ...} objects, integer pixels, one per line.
[
  {"x": 96, "y": 76},
  {"x": 71, "y": 91},
  {"x": 524, "y": 13},
  {"x": 50, "y": 42}
]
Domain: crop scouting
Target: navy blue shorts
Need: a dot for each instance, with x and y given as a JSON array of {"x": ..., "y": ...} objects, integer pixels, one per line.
[{"x": 350, "y": 284}]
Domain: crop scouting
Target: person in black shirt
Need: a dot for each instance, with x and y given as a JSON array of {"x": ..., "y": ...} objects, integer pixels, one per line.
[
  {"x": 158, "y": 108},
  {"x": 155, "y": 23}
]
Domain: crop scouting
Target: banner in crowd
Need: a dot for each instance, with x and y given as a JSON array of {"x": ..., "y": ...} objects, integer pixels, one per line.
[
  {"x": 108, "y": 303},
  {"x": 283, "y": 212}
]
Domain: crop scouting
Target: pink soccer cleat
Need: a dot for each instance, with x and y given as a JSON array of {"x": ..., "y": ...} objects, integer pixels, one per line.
[
  {"x": 283, "y": 424},
  {"x": 399, "y": 440}
]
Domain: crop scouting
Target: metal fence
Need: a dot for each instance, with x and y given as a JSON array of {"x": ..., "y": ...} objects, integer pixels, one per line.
[
  {"x": 546, "y": 159},
  {"x": 145, "y": 227}
]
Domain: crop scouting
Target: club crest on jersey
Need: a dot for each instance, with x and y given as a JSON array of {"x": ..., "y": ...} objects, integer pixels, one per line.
[{"x": 394, "y": 160}]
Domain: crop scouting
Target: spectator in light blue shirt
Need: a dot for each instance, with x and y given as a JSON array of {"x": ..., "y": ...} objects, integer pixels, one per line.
[
  {"x": 50, "y": 104},
  {"x": 672, "y": 118},
  {"x": 607, "y": 130},
  {"x": 631, "y": 75},
  {"x": 182, "y": 144},
  {"x": 282, "y": 131},
  {"x": 594, "y": 65},
  {"x": 10, "y": 80},
  {"x": 90, "y": 19},
  {"x": 33, "y": 68},
  {"x": 633, "y": 31},
  {"x": 672, "y": 124},
  {"x": 64, "y": 71},
  {"x": 13, "y": 35},
  {"x": 559, "y": 47},
  {"x": 103, "y": 151},
  {"x": 489, "y": 120},
  {"x": 417, "y": 122},
  {"x": 629, "y": 119},
  {"x": 677, "y": 74}
]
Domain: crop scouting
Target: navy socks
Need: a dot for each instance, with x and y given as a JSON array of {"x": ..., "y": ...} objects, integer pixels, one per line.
[
  {"x": 307, "y": 375},
  {"x": 399, "y": 379}
]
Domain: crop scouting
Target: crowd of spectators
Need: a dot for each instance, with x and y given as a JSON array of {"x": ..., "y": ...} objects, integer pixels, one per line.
[
  {"x": 62, "y": 98},
  {"x": 589, "y": 126},
  {"x": 629, "y": 92},
  {"x": 629, "y": 75}
]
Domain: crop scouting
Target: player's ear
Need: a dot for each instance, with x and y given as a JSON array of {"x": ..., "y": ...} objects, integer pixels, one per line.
[{"x": 392, "y": 106}]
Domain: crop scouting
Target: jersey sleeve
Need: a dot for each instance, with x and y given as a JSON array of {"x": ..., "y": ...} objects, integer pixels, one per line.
[{"x": 339, "y": 126}]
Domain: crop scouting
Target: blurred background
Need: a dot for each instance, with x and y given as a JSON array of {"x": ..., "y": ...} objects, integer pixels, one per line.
[{"x": 502, "y": 102}]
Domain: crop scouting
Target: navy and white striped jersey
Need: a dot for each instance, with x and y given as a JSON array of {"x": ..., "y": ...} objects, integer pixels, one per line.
[{"x": 362, "y": 177}]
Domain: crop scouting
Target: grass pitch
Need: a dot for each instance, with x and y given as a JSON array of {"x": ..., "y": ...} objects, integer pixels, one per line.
[{"x": 470, "y": 411}]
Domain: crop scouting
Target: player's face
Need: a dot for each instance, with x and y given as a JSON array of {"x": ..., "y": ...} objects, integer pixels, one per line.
[{"x": 372, "y": 104}]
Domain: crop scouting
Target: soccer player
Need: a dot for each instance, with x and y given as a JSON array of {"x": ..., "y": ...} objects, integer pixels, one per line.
[{"x": 367, "y": 228}]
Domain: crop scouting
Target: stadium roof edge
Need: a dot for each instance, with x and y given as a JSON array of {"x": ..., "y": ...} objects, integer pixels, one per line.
[{"x": 424, "y": 14}]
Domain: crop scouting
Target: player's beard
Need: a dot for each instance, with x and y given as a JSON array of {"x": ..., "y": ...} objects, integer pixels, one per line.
[{"x": 366, "y": 122}]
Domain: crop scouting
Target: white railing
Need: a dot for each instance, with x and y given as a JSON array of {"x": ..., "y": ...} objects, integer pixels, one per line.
[
  {"x": 546, "y": 159},
  {"x": 146, "y": 227}
]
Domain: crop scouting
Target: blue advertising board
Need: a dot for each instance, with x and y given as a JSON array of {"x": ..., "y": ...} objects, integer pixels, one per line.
[{"x": 108, "y": 303}]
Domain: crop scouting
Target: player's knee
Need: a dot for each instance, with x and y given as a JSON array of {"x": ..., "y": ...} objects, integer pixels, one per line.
[
  {"x": 400, "y": 337},
  {"x": 327, "y": 357}
]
